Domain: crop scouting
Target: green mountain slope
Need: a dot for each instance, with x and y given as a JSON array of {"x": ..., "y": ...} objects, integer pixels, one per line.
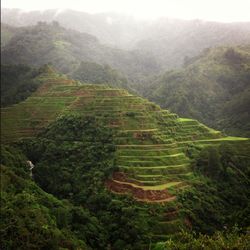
[
  {"x": 30, "y": 217},
  {"x": 65, "y": 49},
  {"x": 91, "y": 72},
  {"x": 150, "y": 141},
  {"x": 7, "y": 32},
  {"x": 17, "y": 83},
  {"x": 170, "y": 40},
  {"x": 213, "y": 88},
  {"x": 151, "y": 192},
  {"x": 81, "y": 210}
]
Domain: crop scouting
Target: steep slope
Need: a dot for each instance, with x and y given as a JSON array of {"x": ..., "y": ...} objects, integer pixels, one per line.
[
  {"x": 151, "y": 142},
  {"x": 64, "y": 48},
  {"x": 17, "y": 80},
  {"x": 33, "y": 222},
  {"x": 41, "y": 220},
  {"x": 213, "y": 88},
  {"x": 17, "y": 83},
  {"x": 154, "y": 148}
]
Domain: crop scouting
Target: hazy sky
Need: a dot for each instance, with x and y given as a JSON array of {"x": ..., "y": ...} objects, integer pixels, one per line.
[{"x": 216, "y": 10}]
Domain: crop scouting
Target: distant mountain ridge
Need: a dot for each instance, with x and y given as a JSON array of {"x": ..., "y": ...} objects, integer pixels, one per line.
[
  {"x": 66, "y": 48},
  {"x": 213, "y": 87},
  {"x": 110, "y": 28},
  {"x": 169, "y": 40}
]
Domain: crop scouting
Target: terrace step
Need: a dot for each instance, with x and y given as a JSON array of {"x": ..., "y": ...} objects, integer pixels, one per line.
[{"x": 158, "y": 187}]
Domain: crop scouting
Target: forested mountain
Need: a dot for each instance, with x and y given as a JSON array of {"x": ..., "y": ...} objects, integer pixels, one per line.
[
  {"x": 213, "y": 87},
  {"x": 173, "y": 41},
  {"x": 208, "y": 87},
  {"x": 7, "y": 32},
  {"x": 169, "y": 40},
  {"x": 88, "y": 164},
  {"x": 90, "y": 72},
  {"x": 119, "y": 173},
  {"x": 65, "y": 49},
  {"x": 110, "y": 28},
  {"x": 17, "y": 83}
]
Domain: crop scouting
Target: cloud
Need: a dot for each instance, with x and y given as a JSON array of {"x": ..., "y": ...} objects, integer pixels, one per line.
[{"x": 217, "y": 10}]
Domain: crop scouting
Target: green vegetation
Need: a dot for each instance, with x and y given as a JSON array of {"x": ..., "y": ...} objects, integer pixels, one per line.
[
  {"x": 171, "y": 41},
  {"x": 137, "y": 124},
  {"x": 72, "y": 158},
  {"x": 40, "y": 220},
  {"x": 217, "y": 201},
  {"x": 188, "y": 241},
  {"x": 67, "y": 153},
  {"x": 213, "y": 88},
  {"x": 219, "y": 198},
  {"x": 125, "y": 173},
  {"x": 66, "y": 49},
  {"x": 90, "y": 72},
  {"x": 31, "y": 218},
  {"x": 17, "y": 83},
  {"x": 7, "y": 32}
]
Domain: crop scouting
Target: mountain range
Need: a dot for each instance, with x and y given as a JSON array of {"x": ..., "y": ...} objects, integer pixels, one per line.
[
  {"x": 213, "y": 87},
  {"x": 119, "y": 133},
  {"x": 169, "y": 40},
  {"x": 64, "y": 48}
]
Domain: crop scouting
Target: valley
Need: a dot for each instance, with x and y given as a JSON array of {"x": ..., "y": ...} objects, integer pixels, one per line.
[{"x": 123, "y": 133}]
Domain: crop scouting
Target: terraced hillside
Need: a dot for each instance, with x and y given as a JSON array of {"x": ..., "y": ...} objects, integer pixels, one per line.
[
  {"x": 151, "y": 142},
  {"x": 213, "y": 87}
]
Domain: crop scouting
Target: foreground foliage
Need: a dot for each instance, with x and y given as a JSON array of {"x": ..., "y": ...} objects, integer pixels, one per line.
[
  {"x": 188, "y": 241},
  {"x": 217, "y": 206},
  {"x": 31, "y": 218},
  {"x": 72, "y": 159},
  {"x": 74, "y": 156},
  {"x": 219, "y": 198}
]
